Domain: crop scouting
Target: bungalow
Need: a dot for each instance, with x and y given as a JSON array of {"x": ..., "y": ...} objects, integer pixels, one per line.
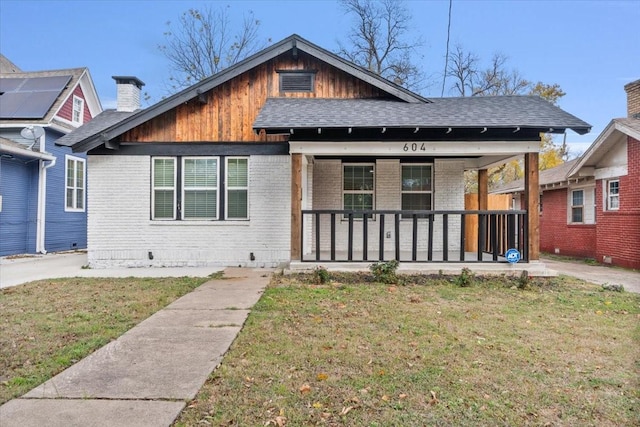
[
  {"x": 42, "y": 185},
  {"x": 590, "y": 206},
  {"x": 296, "y": 157}
]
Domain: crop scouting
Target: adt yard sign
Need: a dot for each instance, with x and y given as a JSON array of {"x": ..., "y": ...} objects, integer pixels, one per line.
[{"x": 512, "y": 255}]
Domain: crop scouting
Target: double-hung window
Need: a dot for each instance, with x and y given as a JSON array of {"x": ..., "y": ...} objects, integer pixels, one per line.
[
  {"x": 358, "y": 187},
  {"x": 577, "y": 206},
  {"x": 613, "y": 195},
  {"x": 237, "y": 188},
  {"x": 75, "y": 184},
  {"x": 163, "y": 196},
  {"x": 77, "y": 110},
  {"x": 199, "y": 188},
  {"x": 191, "y": 188},
  {"x": 417, "y": 188}
]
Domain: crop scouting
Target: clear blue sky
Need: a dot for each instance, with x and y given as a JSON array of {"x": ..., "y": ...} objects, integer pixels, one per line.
[{"x": 590, "y": 48}]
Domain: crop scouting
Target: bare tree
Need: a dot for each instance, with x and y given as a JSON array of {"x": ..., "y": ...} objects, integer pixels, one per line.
[
  {"x": 471, "y": 80},
  {"x": 378, "y": 41},
  {"x": 204, "y": 42}
]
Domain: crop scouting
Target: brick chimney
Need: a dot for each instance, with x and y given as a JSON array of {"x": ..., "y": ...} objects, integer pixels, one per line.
[
  {"x": 633, "y": 99},
  {"x": 128, "y": 92}
]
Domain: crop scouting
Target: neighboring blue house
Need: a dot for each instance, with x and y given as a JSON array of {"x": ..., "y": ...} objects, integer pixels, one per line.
[{"x": 42, "y": 185}]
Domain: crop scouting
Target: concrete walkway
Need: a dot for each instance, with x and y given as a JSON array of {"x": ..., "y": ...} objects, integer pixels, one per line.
[
  {"x": 16, "y": 271},
  {"x": 145, "y": 377},
  {"x": 598, "y": 274}
]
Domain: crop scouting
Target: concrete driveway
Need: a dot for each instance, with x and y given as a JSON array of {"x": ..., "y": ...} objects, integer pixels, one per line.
[
  {"x": 598, "y": 274},
  {"x": 24, "y": 269}
]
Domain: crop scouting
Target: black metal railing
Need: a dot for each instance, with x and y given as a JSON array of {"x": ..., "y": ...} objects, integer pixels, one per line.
[{"x": 347, "y": 235}]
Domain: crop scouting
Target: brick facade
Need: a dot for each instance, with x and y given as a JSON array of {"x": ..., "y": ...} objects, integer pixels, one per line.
[
  {"x": 618, "y": 232},
  {"x": 115, "y": 242},
  {"x": 559, "y": 237}
]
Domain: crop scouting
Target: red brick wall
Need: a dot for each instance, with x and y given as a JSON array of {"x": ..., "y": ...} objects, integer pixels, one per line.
[
  {"x": 577, "y": 240},
  {"x": 67, "y": 108},
  {"x": 618, "y": 232}
]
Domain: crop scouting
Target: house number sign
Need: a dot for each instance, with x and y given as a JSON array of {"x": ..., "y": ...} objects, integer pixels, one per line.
[{"x": 414, "y": 147}]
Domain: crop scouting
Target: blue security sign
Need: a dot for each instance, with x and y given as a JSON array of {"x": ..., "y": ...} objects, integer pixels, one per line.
[{"x": 512, "y": 255}]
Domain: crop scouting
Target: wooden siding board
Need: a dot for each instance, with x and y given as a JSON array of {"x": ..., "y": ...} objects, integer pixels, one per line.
[{"x": 232, "y": 107}]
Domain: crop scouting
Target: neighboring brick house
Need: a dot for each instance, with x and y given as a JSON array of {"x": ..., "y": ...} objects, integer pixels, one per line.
[
  {"x": 42, "y": 185},
  {"x": 295, "y": 155},
  {"x": 591, "y": 205}
]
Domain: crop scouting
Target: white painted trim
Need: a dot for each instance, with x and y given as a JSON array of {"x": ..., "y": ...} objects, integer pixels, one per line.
[
  {"x": 79, "y": 161},
  {"x": 153, "y": 188},
  {"x": 73, "y": 110},
  {"x": 183, "y": 187},
  {"x": 611, "y": 172},
  {"x": 430, "y": 148},
  {"x": 42, "y": 200},
  {"x": 227, "y": 186}
]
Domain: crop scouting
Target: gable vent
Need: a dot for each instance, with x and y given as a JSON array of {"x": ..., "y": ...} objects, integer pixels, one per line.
[{"x": 296, "y": 82}]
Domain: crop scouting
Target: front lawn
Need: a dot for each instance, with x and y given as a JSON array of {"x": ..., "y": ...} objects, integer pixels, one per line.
[
  {"x": 355, "y": 353},
  {"x": 47, "y": 326}
]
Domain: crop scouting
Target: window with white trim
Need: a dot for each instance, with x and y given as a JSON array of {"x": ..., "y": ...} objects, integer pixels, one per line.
[
  {"x": 190, "y": 188},
  {"x": 577, "y": 206},
  {"x": 78, "y": 110},
  {"x": 75, "y": 184},
  {"x": 417, "y": 188},
  {"x": 358, "y": 186},
  {"x": 613, "y": 195}
]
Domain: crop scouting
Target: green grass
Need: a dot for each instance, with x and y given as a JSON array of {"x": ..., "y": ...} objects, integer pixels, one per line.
[
  {"x": 429, "y": 352},
  {"x": 48, "y": 325}
]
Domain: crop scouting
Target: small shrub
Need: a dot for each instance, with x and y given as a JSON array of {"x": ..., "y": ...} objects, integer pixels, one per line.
[
  {"x": 465, "y": 279},
  {"x": 524, "y": 280},
  {"x": 385, "y": 271},
  {"x": 321, "y": 276}
]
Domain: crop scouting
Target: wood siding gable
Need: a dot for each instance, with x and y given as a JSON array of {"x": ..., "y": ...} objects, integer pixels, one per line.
[{"x": 226, "y": 113}]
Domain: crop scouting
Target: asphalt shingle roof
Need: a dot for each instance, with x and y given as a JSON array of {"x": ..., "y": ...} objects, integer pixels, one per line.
[
  {"x": 548, "y": 176},
  {"x": 470, "y": 112},
  {"x": 99, "y": 123}
]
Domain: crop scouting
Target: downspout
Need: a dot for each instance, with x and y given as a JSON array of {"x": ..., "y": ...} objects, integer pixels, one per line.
[{"x": 42, "y": 199}]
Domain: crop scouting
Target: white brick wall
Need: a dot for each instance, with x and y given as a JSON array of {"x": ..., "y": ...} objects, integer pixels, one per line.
[
  {"x": 448, "y": 195},
  {"x": 120, "y": 232}
]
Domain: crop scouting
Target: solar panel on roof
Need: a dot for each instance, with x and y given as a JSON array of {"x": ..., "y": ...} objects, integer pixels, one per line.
[
  {"x": 10, "y": 84},
  {"x": 29, "y": 98},
  {"x": 53, "y": 83}
]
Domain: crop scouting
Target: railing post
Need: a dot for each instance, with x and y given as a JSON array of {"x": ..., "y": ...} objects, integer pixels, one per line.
[
  {"x": 365, "y": 235},
  {"x": 462, "y": 236},
  {"x": 481, "y": 234},
  {"x": 414, "y": 238},
  {"x": 317, "y": 237},
  {"x": 494, "y": 235},
  {"x": 333, "y": 237},
  {"x": 397, "y": 236},
  {"x": 445, "y": 237},
  {"x": 381, "y": 238},
  {"x": 302, "y": 237},
  {"x": 350, "y": 238},
  {"x": 430, "y": 243}
]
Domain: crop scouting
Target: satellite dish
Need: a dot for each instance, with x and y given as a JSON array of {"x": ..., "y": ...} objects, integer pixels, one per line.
[{"x": 32, "y": 132}]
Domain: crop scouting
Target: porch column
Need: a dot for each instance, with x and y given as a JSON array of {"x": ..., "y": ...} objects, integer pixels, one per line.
[
  {"x": 296, "y": 205},
  {"x": 483, "y": 189},
  {"x": 532, "y": 201}
]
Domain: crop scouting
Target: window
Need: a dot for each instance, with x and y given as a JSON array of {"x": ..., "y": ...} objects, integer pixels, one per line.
[
  {"x": 200, "y": 188},
  {"x": 416, "y": 187},
  {"x": 358, "y": 187},
  {"x": 190, "y": 188},
  {"x": 577, "y": 205},
  {"x": 613, "y": 195},
  {"x": 164, "y": 188},
  {"x": 74, "y": 184},
  {"x": 78, "y": 110},
  {"x": 237, "y": 188}
]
